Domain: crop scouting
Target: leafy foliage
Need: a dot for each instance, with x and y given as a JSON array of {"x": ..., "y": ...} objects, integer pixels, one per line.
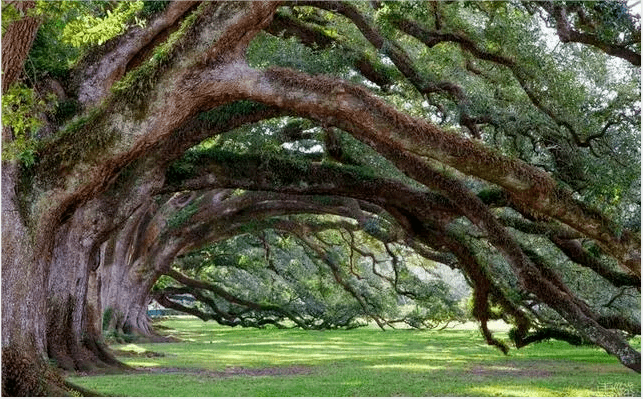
[
  {"x": 278, "y": 278},
  {"x": 10, "y": 14},
  {"x": 267, "y": 50},
  {"x": 90, "y": 30},
  {"x": 21, "y": 109}
]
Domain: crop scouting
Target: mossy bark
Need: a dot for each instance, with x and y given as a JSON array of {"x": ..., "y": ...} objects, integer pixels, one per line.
[
  {"x": 76, "y": 202},
  {"x": 23, "y": 297}
]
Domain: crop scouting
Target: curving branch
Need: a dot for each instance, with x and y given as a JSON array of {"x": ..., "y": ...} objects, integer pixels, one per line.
[
  {"x": 484, "y": 293},
  {"x": 576, "y": 253},
  {"x": 385, "y": 195},
  {"x": 315, "y": 37},
  {"x": 406, "y": 140},
  {"x": 567, "y": 241},
  {"x": 544, "y": 283},
  {"x": 255, "y": 314},
  {"x": 568, "y": 34},
  {"x": 115, "y": 143},
  {"x": 432, "y": 38},
  {"x": 193, "y": 286},
  {"x": 403, "y": 61},
  {"x": 97, "y": 78}
]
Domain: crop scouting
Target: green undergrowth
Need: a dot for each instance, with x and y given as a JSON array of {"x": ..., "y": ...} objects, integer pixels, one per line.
[{"x": 212, "y": 360}]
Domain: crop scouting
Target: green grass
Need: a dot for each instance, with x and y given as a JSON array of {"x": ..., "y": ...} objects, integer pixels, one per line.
[{"x": 215, "y": 361}]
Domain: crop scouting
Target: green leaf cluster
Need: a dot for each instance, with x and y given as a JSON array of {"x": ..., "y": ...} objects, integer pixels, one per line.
[
  {"x": 50, "y": 55},
  {"x": 21, "y": 109},
  {"x": 91, "y": 30},
  {"x": 10, "y": 14},
  {"x": 267, "y": 50}
]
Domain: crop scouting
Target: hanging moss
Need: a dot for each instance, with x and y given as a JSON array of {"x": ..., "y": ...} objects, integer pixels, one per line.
[{"x": 280, "y": 170}]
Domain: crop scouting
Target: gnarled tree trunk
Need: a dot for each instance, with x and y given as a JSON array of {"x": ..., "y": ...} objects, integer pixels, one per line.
[{"x": 53, "y": 227}]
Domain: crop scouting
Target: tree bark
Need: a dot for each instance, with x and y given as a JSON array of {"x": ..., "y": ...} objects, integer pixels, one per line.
[
  {"x": 17, "y": 41},
  {"x": 23, "y": 276},
  {"x": 123, "y": 281},
  {"x": 52, "y": 243},
  {"x": 23, "y": 297}
]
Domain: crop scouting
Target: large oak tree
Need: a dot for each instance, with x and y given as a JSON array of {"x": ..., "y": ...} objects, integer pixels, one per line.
[{"x": 468, "y": 131}]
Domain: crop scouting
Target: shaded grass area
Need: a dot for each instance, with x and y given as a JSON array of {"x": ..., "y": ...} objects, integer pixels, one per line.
[{"x": 213, "y": 360}]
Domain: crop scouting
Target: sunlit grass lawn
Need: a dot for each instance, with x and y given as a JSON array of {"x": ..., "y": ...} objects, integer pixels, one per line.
[{"x": 211, "y": 361}]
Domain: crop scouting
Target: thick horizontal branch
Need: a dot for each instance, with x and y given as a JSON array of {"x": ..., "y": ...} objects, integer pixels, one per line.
[
  {"x": 575, "y": 252},
  {"x": 396, "y": 135},
  {"x": 566, "y": 241}
]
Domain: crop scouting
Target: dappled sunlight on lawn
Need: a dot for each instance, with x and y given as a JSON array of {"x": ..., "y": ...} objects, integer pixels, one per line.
[
  {"x": 132, "y": 347},
  {"x": 362, "y": 362},
  {"x": 143, "y": 363},
  {"x": 526, "y": 391},
  {"x": 271, "y": 343}
]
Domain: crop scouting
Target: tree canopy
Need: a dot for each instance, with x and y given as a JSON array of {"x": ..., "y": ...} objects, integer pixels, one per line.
[{"x": 318, "y": 164}]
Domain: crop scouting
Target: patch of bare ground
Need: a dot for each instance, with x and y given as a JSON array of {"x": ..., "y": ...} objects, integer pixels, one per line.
[
  {"x": 125, "y": 353},
  {"x": 512, "y": 369},
  {"x": 227, "y": 373}
]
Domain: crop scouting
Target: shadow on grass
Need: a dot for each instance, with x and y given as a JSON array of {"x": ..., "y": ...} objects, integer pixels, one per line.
[{"x": 221, "y": 361}]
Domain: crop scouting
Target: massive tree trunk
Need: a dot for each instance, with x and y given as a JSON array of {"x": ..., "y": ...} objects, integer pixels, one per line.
[
  {"x": 52, "y": 230},
  {"x": 23, "y": 276},
  {"x": 67, "y": 326},
  {"x": 23, "y": 298},
  {"x": 118, "y": 288}
]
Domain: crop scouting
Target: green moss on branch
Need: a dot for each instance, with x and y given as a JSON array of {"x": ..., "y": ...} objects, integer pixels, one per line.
[
  {"x": 184, "y": 214},
  {"x": 134, "y": 87}
]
